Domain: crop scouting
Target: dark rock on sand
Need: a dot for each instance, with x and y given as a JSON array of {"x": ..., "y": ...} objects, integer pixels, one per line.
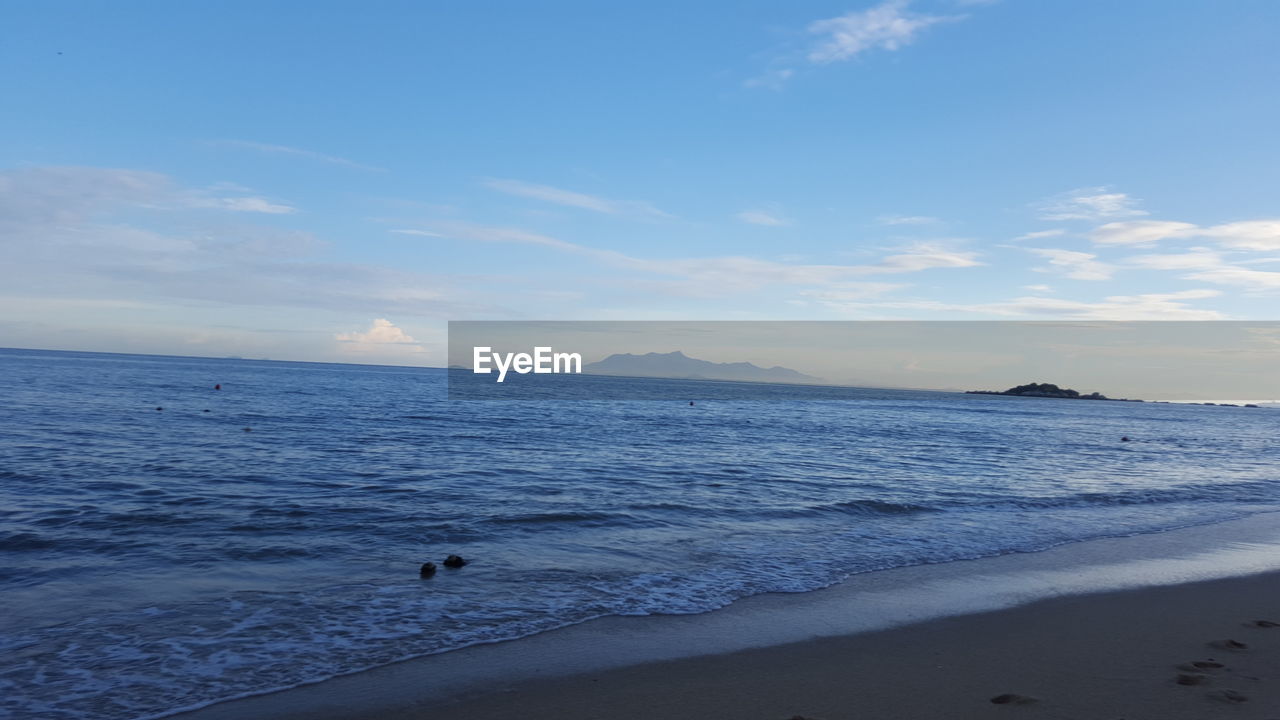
[
  {"x": 428, "y": 569},
  {"x": 454, "y": 561},
  {"x": 1012, "y": 699}
]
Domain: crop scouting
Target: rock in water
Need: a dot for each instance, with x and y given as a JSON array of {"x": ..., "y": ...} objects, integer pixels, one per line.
[
  {"x": 454, "y": 561},
  {"x": 428, "y": 569}
]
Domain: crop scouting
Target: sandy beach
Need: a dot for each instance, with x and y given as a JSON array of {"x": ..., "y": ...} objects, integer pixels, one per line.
[
  {"x": 1187, "y": 631},
  {"x": 1159, "y": 653}
]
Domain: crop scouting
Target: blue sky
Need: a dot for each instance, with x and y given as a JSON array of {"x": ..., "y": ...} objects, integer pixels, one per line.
[{"x": 335, "y": 181}]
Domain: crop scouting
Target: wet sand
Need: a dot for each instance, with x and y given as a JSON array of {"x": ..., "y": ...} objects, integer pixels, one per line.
[
  {"x": 1130, "y": 654},
  {"x": 1158, "y": 627}
]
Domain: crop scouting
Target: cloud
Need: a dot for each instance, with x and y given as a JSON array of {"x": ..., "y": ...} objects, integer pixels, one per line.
[
  {"x": 298, "y": 152},
  {"x": 1260, "y": 235},
  {"x": 244, "y": 204},
  {"x": 1254, "y": 280},
  {"x": 49, "y": 197},
  {"x": 419, "y": 233},
  {"x": 1154, "y": 306},
  {"x": 1038, "y": 288},
  {"x": 1197, "y": 259},
  {"x": 65, "y": 236},
  {"x": 1209, "y": 266},
  {"x": 1140, "y": 232},
  {"x": 759, "y": 217},
  {"x": 1041, "y": 234},
  {"x": 887, "y": 26},
  {"x": 381, "y": 332},
  {"x": 569, "y": 198},
  {"x": 771, "y": 80},
  {"x": 1075, "y": 265},
  {"x": 1090, "y": 203},
  {"x": 730, "y": 273},
  {"x": 908, "y": 220},
  {"x": 1254, "y": 235}
]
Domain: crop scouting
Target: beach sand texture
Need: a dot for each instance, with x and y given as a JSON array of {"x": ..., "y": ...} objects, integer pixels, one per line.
[
  {"x": 1147, "y": 654},
  {"x": 1184, "y": 652}
]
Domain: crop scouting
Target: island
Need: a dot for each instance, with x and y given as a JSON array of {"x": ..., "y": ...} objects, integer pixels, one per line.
[
  {"x": 678, "y": 366},
  {"x": 1047, "y": 390}
]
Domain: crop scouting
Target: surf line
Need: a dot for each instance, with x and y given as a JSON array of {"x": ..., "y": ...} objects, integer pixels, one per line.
[{"x": 541, "y": 360}]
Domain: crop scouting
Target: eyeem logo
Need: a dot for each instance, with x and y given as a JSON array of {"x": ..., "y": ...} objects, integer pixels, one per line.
[{"x": 543, "y": 360}]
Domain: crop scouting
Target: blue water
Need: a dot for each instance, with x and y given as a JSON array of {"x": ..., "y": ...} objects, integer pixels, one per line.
[{"x": 153, "y": 560}]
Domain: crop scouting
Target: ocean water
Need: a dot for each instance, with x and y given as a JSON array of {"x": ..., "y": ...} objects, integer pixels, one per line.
[{"x": 158, "y": 560}]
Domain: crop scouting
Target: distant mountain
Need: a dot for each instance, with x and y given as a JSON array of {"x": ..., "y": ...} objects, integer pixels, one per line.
[{"x": 677, "y": 365}]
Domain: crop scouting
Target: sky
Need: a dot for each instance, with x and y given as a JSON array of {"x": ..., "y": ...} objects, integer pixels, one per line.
[{"x": 335, "y": 181}]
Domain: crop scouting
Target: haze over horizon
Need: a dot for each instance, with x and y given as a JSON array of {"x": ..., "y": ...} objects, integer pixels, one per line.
[{"x": 230, "y": 180}]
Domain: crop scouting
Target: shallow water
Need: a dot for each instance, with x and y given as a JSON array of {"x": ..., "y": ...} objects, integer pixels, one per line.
[{"x": 155, "y": 560}]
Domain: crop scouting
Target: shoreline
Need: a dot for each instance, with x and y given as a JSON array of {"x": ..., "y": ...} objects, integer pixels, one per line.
[{"x": 621, "y": 659}]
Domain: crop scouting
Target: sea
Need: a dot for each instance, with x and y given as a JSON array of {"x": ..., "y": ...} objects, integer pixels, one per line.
[{"x": 165, "y": 545}]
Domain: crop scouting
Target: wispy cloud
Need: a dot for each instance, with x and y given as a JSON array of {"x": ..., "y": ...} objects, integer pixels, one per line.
[
  {"x": 887, "y": 26},
  {"x": 908, "y": 220},
  {"x": 1140, "y": 232},
  {"x": 569, "y": 198},
  {"x": 760, "y": 217},
  {"x": 731, "y": 273},
  {"x": 770, "y": 80},
  {"x": 242, "y": 204},
  {"x": 1041, "y": 234},
  {"x": 1152, "y": 306},
  {"x": 298, "y": 152},
  {"x": 1205, "y": 265},
  {"x": 1073, "y": 264},
  {"x": 419, "y": 233},
  {"x": 1248, "y": 235},
  {"x": 1090, "y": 203}
]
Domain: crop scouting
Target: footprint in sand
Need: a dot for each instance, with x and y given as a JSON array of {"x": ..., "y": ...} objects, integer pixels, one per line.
[
  {"x": 1012, "y": 699},
  {"x": 1229, "y": 644},
  {"x": 1229, "y": 696},
  {"x": 1264, "y": 624},
  {"x": 1191, "y": 679}
]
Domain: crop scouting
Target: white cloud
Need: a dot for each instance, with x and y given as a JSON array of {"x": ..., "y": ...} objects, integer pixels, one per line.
[
  {"x": 1040, "y": 234},
  {"x": 1209, "y": 266},
  {"x": 759, "y": 217},
  {"x": 908, "y": 220},
  {"x": 569, "y": 198},
  {"x": 887, "y": 26},
  {"x": 419, "y": 233},
  {"x": 381, "y": 332},
  {"x": 1038, "y": 288},
  {"x": 847, "y": 292},
  {"x": 1140, "y": 232},
  {"x": 298, "y": 152},
  {"x": 1197, "y": 259},
  {"x": 1255, "y": 280},
  {"x": 245, "y": 204},
  {"x": 732, "y": 273},
  {"x": 772, "y": 79},
  {"x": 1091, "y": 203},
  {"x": 1254, "y": 235},
  {"x": 1260, "y": 235},
  {"x": 1073, "y": 264},
  {"x": 1155, "y": 306}
]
